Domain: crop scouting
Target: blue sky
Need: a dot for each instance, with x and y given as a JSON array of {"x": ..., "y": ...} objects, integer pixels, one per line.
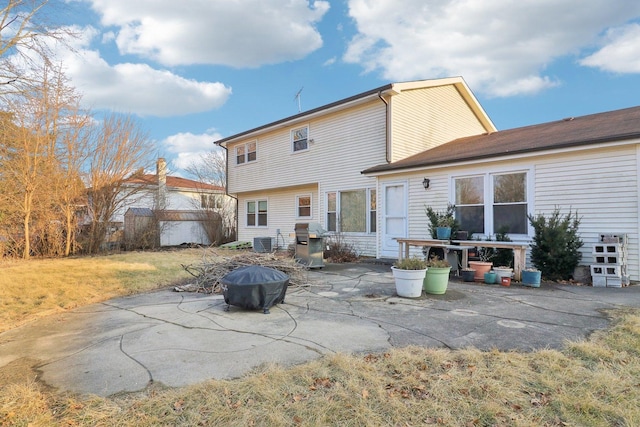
[{"x": 195, "y": 71}]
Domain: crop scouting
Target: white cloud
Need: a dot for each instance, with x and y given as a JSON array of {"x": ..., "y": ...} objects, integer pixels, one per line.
[
  {"x": 136, "y": 88},
  {"x": 187, "y": 148},
  {"x": 500, "y": 47},
  {"x": 246, "y": 33},
  {"x": 621, "y": 54}
]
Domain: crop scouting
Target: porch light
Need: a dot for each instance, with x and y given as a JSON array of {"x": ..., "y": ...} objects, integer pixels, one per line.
[{"x": 425, "y": 183}]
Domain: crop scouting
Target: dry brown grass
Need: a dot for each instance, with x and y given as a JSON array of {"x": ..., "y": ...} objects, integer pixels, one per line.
[
  {"x": 36, "y": 288},
  {"x": 591, "y": 383},
  {"x": 595, "y": 382}
]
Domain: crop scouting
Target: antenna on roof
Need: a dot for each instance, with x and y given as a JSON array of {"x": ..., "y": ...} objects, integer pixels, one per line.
[{"x": 297, "y": 97}]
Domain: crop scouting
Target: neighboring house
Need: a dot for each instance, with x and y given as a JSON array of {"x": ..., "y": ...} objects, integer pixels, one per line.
[
  {"x": 161, "y": 191},
  {"x": 177, "y": 206},
  {"x": 307, "y": 168},
  {"x": 588, "y": 164}
]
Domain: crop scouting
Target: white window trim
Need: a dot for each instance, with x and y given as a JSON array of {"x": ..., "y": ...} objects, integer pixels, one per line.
[
  {"x": 367, "y": 190},
  {"x": 298, "y": 206},
  {"x": 291, "y": 139},
  {"x": 488, "y": 196},
  {"x": 246, "y": 212},
  {"x": 246, "y": 152}
]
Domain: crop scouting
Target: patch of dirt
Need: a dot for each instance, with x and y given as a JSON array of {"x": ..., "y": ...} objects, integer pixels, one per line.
[{"x": 19, "y": 371}]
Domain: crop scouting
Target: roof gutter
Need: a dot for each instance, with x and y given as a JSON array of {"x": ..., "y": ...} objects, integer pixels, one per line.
[
  {"x": 524, "y": 153},
  {"x": 386, "y": 128}
]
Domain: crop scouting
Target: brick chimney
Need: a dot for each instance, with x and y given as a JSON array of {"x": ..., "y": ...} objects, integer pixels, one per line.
[{"x": 161, "y": 172}]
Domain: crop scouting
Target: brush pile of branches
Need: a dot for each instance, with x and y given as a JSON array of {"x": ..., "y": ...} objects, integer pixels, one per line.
[{"x": 211, "y": 269}]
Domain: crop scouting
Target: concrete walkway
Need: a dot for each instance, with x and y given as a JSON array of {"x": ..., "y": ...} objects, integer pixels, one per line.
[{"x": 184, "y": 338}]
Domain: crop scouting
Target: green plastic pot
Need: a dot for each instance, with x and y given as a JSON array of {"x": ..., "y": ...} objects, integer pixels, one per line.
[{"x": 436, "y": 280}]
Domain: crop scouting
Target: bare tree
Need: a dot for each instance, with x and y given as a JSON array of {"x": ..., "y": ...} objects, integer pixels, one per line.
[
  {"x": 69, "y": 188},
  {"x": 25, "y": 37},
  {"x": 211, "y": 169},
  {"x": 28, "y": 150},
  {"x": 120, "y": 150}
]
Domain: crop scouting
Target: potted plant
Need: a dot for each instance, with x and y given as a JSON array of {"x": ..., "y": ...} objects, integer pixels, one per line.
[
  {"x": 531, "y": 277},
  {"x": 437, "y": 277},
  {"x": 442, "y": 223},
  {"x": 490, "y": 277},
  {"x": 468, "y": 274},
  {"x": 484, "y": 264},
  {"x": 409, "y": 275}
]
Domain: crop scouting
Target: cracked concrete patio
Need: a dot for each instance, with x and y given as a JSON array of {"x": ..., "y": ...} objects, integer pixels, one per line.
[{"x": 179, "y": 339}]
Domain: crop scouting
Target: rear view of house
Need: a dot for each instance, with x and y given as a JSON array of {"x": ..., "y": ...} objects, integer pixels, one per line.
[{"x": 307, "y": 168}]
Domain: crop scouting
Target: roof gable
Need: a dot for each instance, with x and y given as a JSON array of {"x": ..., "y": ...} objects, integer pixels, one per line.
[
  {"x": 610, "y": 126},
  {"x": 389, "y": 89}
]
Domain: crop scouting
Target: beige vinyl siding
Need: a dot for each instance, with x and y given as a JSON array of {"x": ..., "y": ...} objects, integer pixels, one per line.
[
  {"x": 425, "y": 118},
  {"x": 281, "y": 214},
  {"x": 602, "y": 185},
  {"x": 344, "y": 144}
]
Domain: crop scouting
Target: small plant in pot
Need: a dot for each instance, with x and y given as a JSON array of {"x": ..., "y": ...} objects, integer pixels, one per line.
[
  {"x": 442, "y": 223},
  {"x": 484, "y": 264},
  {"x": 437, "y": 278},
  {"x": 409, "y": 275}
]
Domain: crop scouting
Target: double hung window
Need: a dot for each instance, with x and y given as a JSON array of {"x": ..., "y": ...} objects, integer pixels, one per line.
[
  {"x": 257, "y": 213},
  {"x": 491, "y": 203},
  {"x": 303, "y": 204},
  {"x": 246, "y": 153},
  {"x": 299, "y": 139}
]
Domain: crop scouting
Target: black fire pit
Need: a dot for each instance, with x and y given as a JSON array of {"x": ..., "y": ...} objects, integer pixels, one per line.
[{"x": 254, "y": 287}]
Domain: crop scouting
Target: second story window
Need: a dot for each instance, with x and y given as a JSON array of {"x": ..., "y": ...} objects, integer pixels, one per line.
[
  {"x": 299, "y": 139},
  {"x": 246, "y": 153},
  {"x": 210, "y": 201}
]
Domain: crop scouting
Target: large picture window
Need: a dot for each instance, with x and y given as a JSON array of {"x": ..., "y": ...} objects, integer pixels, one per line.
[
  {"x": 352, "y": 211},
  {"x": 491, "y": 203},
  {"x": 257, "y": 213}
]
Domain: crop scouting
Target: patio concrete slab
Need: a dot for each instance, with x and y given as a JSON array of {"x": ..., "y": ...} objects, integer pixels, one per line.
[{"x": 178, "y": 339}]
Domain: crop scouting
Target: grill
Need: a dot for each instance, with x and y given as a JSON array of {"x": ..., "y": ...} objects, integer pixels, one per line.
[
  {"x": 310, "y": 244},
  {"x": 254, "y": 287}
]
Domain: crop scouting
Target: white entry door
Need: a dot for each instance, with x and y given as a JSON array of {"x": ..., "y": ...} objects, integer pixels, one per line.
[{"x": 394, "y": 220}]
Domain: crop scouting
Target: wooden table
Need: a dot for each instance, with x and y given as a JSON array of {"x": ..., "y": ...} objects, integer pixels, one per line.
[
  {"x": 405, "y": 244},
  {"x": 519, "y": 250}
]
